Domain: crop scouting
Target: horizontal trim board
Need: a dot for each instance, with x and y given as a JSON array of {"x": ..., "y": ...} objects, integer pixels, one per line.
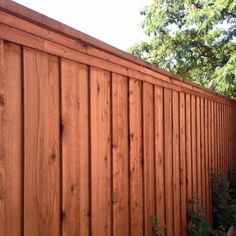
[
  {"x": 23, "y": 38},
  {"x": 55, "y": 26}
]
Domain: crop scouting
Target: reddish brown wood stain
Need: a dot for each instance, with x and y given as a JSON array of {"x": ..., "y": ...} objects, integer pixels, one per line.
[{"x": 94, "y": 141}]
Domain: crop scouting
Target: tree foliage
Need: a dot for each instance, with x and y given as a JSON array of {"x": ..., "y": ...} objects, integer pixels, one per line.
[{"x": 195, "y": 39}]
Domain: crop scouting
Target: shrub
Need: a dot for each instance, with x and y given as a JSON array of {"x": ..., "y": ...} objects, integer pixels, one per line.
[
  {"x": 224, "y": 207},
  {"x": 198, "y": 224},
  {"x": 157, "y": 227}
]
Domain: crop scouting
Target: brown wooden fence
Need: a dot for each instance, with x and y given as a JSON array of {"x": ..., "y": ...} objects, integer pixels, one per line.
[{"x": 94, "y": 141}]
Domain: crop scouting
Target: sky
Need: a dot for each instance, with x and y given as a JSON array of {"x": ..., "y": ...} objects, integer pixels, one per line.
[{"x": 116, "y": 22}]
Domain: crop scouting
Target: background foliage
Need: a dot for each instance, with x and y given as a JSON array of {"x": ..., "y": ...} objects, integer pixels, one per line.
[
  {"x": 198, "y": 224},
  {"x": 195, "y": 39},
  {"x": 223, "y": 202}
]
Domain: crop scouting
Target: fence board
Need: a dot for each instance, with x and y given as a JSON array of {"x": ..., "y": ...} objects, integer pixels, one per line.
[
  {"x": 120, "y": 155},
  {"x": 159, "y": 154},
  {"x": 136, "y": 158},
  {"x": 183, "y": 171},
  {"x": 100, "y": 151},
  {"x": 168, "y": 162},
  {"x": 42, "y": 156},
  {"x": 203, "y": 153},
  {"x": 149, "y": 151},
  {"x": 176, "y": 163},
  {"x": 199, "y": 149},
  {"x": 11, "y": 145},
  {"x": 194, "y": 144},
  {"x": 188, "y": 147},
  {"x": 74, "y": 84}
]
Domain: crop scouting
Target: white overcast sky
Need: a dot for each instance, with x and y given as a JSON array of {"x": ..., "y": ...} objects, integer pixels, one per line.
[{"x": 116, "y": 22}]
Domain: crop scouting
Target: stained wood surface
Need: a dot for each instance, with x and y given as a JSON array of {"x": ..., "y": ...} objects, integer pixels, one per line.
[
  {"x": 176, "y": 163},
  {"x": 136, "y": 158},
  {"x": 96, "y": 142},
  {"x": 168, "y": 160},
  {"x": 100, "y": 151},
  {"x": 75, "y": 148},
  {"x": 120, "y": 155},
  {"x": 183, "y": 167},
  {"x": 148, "y": 155},
  {"x": 41, "y": 146},
  {"x": 11, "y": 145},
  {"x": 159, "y": 154}
]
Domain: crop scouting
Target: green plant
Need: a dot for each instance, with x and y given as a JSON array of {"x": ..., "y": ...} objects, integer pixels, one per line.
[
  {"x": 224, "y": 206},
  {"x": 194, "y": 39},
  {"x": 157, "y": 227},
  {"x": 198, "y": 224}
]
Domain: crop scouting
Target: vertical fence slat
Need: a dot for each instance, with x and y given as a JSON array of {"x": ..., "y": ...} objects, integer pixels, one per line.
[
  {"x": 194, "y": 143},
  {"x": 100, "y": 151},
  {"x": 218, "y": 135},
  {"x": 120, "y": 155},
  {"x": 168, "y": 161},
  {"x": 207, "y": 145},
  {"x": 188, "y": 147},
  {"x": 176, "y": 163},
  {"x": 183, "y": 171},
  {"x": 159, "y": 155},
  {"x": 11, "y": 139},
  {"x": 136, "y": 158},
  {"x": 198, "y": 136},
  {"x": 214, "y": 136},
  {"x": 210, "y": 160},
  {"x": 148, "y": 150},
  {"x": 42, "y": 156},
  {"x": 75, "y": 148},
  {"x": 203, "y": 153}
]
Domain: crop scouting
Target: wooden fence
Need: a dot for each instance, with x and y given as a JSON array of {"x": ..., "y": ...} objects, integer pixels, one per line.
[{"x": 94, "y": 141}]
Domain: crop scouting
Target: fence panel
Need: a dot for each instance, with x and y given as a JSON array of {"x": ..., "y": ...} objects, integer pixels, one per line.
[{"x": 94, "y": 141}]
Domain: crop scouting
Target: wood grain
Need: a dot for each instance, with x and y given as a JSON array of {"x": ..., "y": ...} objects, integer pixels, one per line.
[
  {"x": 101, "y": 151},
  {"x": 176, "y": 163},
  {"x": 120, "y": 155},
  {"x": 11, "y": 142},
  {"x": 168, "y": 162},
  {"x": 42, "y": 156},
  {"x": 149, "y": 152},
  {"x": 75, "y": 148},
  {"x": 159, "y": 153},
  {"x": 136, "y": 158},
  {"x": 183, "y": 167}
]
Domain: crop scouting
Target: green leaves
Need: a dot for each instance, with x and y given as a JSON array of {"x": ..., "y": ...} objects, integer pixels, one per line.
[
  {"x": 193, "y": 38},
  {"x": 198, "y": 224},
  {"x": 157, "y": 227},
  {"x": 224, "y": 208}
]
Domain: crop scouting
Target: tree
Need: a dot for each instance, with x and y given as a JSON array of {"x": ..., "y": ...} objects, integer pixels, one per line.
[{"x": 195, "y": 39}]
